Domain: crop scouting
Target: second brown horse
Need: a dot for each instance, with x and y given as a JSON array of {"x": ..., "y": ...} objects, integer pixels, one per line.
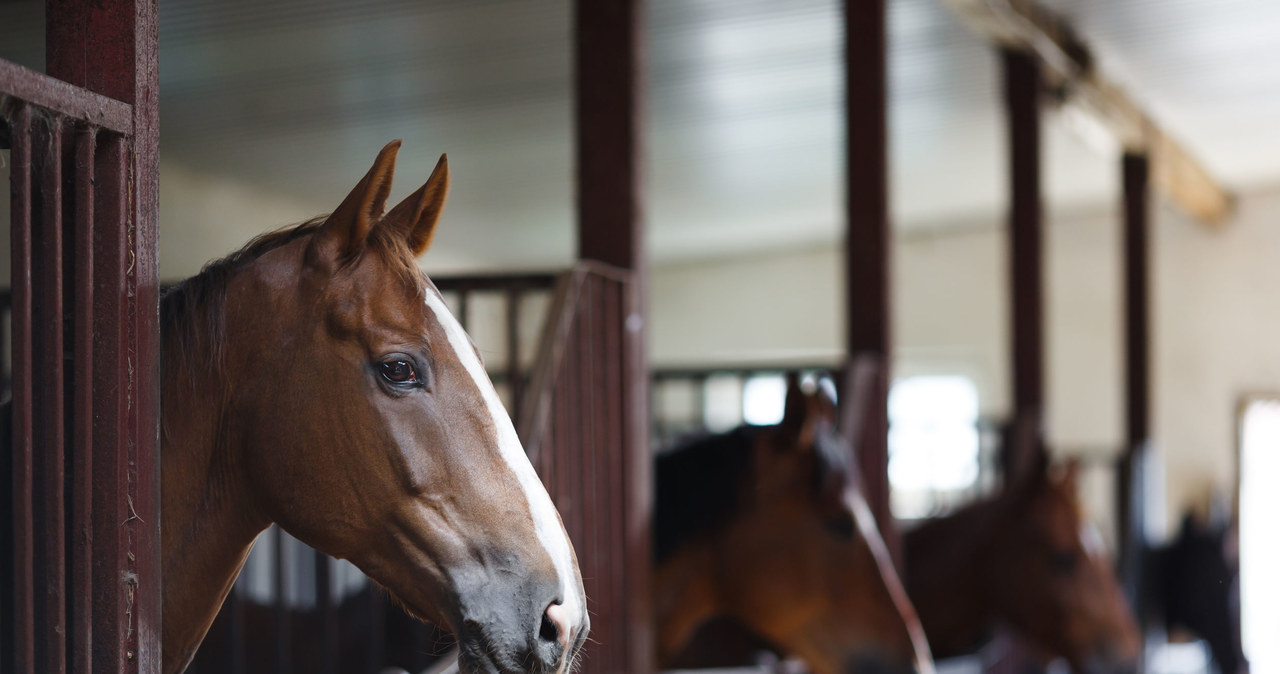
[
  {"x": 766, "y": 526},
  {"x": 1025, "y": 560}
]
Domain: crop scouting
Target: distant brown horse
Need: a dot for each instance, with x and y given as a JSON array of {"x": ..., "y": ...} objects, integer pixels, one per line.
[
  {"x": 766, "y": 526},
  {"x": 316, "y": 379},
  {"x": 1025, "y": 560}
]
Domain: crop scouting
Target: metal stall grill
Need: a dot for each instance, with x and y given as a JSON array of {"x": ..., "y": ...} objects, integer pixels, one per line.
[
  {"x": 585, "y": 430},
  {"x": 79, "y": 531}
]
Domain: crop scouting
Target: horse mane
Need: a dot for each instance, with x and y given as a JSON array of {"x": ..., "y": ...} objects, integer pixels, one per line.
[
  {"x": 699, "y": 483},
  {"x": 193, "y": 311},
  {"x": 698, "y": 487}
]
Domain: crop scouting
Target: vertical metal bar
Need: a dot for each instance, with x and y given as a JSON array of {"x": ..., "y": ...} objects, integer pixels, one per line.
[
  {"x": 328, "y": 614},
  {"x": 23, "y": 516},
  {"x": 588, "y": 399},
  {"x": 279, "y": 579},
  {"x": 144, "y": 454},
  {"x": 377, "y": 652},
  {"x": 1130, "y": 515},
  {"x": 236, "y": 657},
  {"x": 48, "y": 396},
  {"x": 463, "y": 296},
  {"x": 868, "y": 237},
  {"x": 593, "y": 360},
  {"x": 82, "y": 430},
  {"x": 113, "y": 578},
  {"x": 589, "y": 484},
  {"x": 1022, "y": 89},
  {"x": 515, "y": 381},
  {"x": 613, "y": 546},
  {"x": 571, "y": 426},
  {"x": 700, "y": 404}
]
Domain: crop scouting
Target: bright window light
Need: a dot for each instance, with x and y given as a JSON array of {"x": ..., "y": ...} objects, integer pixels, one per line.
[
  {"x": 722, "y": 403},
  {"x": 763, "y": 400},
  {"x": 1259, "y": 545},
  {"x": 933, "y": 433}
]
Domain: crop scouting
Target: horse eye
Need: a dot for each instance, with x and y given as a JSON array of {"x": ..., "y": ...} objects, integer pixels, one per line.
[{"x": 398, "y": 371}]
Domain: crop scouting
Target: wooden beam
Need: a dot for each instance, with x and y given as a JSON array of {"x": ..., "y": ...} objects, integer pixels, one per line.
[
  {"x": 112, "y": 49},
  {"x": 1023, "y": 97},
  {"x": 867, "y": 240},
  {"x": 1135, "y": 169},
  {"x": 607, "y": 66},
  {"x": 1070, "y": 70},
  {"x": 606, "y": 61}
]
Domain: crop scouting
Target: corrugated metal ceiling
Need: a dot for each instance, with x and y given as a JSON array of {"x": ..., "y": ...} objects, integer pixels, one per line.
[{"x": 742, "y": 110}]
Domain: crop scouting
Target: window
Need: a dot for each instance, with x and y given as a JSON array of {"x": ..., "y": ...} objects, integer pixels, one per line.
[
  {"x": 933, "y": 441},
  {"x": 1259, "y": 545},
  {"x": 764, "y": 399},
  {"x": 722, "y": 403}
]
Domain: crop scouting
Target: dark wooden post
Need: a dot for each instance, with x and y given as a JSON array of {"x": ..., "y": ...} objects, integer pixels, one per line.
[
  {"x": 867, "y": 238},
  {"x": 607, "y": 66},
  {"x": 607, "y": 85},
  {"x": 1022, "y": 90},
  {"x": 1129, "y": 496},
  {"x": 111, "y": 49}
]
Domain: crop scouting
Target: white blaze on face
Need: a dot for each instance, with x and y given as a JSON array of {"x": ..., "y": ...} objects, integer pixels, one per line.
[
  {"x": 857, "y": 504},
  {"x": 546, "y": 522}
]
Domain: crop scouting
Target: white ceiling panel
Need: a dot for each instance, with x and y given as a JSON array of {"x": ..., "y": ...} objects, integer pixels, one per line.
[{"x": 742, "y": 112}]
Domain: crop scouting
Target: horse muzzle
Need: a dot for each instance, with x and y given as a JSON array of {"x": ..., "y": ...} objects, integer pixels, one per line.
[{"x": 524, "y": 629}]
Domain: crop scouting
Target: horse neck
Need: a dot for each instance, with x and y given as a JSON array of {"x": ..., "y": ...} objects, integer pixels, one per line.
[
  {"x": 948, "y": 562},
  {"x": 208, "y": 522}
]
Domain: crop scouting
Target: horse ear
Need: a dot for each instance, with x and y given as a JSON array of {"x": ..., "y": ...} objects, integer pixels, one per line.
[
  {"x": 346, "y": 230},
  {"x": 415, "y": 218},
  {"x": 795, "y": 408},
  {"x": 824, "y": 399}
]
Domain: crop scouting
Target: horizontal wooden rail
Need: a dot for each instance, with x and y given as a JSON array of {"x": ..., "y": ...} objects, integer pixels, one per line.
[
  {"x": 495, "y": 282},
  {"x": 54, "y": 95}
]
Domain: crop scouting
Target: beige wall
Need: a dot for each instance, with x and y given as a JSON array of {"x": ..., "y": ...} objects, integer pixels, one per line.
[{"x": 1216, "y": 327}]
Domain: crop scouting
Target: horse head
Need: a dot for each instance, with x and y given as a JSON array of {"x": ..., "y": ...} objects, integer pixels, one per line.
[
  {"x": 792, "y": 554},
  {"x": 358, "y": 416},
  {"x": 1054, "y": 581}
]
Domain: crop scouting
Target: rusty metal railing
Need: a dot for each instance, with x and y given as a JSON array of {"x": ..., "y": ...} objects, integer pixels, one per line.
[
  {"x": 79, "y": 483},
  {"x": 584, "y": 424}
]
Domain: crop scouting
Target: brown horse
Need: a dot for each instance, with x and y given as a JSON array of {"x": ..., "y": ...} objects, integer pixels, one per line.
[
  {"x": 766, "y": 526},
  {"x": 316, "y": 379},
  {"x": 1025, "y": 560}
]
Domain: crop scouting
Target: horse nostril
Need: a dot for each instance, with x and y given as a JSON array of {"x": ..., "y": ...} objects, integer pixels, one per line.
[
  {"x": 548, "y": 630},
  {"x": 555, "y": 625}
]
